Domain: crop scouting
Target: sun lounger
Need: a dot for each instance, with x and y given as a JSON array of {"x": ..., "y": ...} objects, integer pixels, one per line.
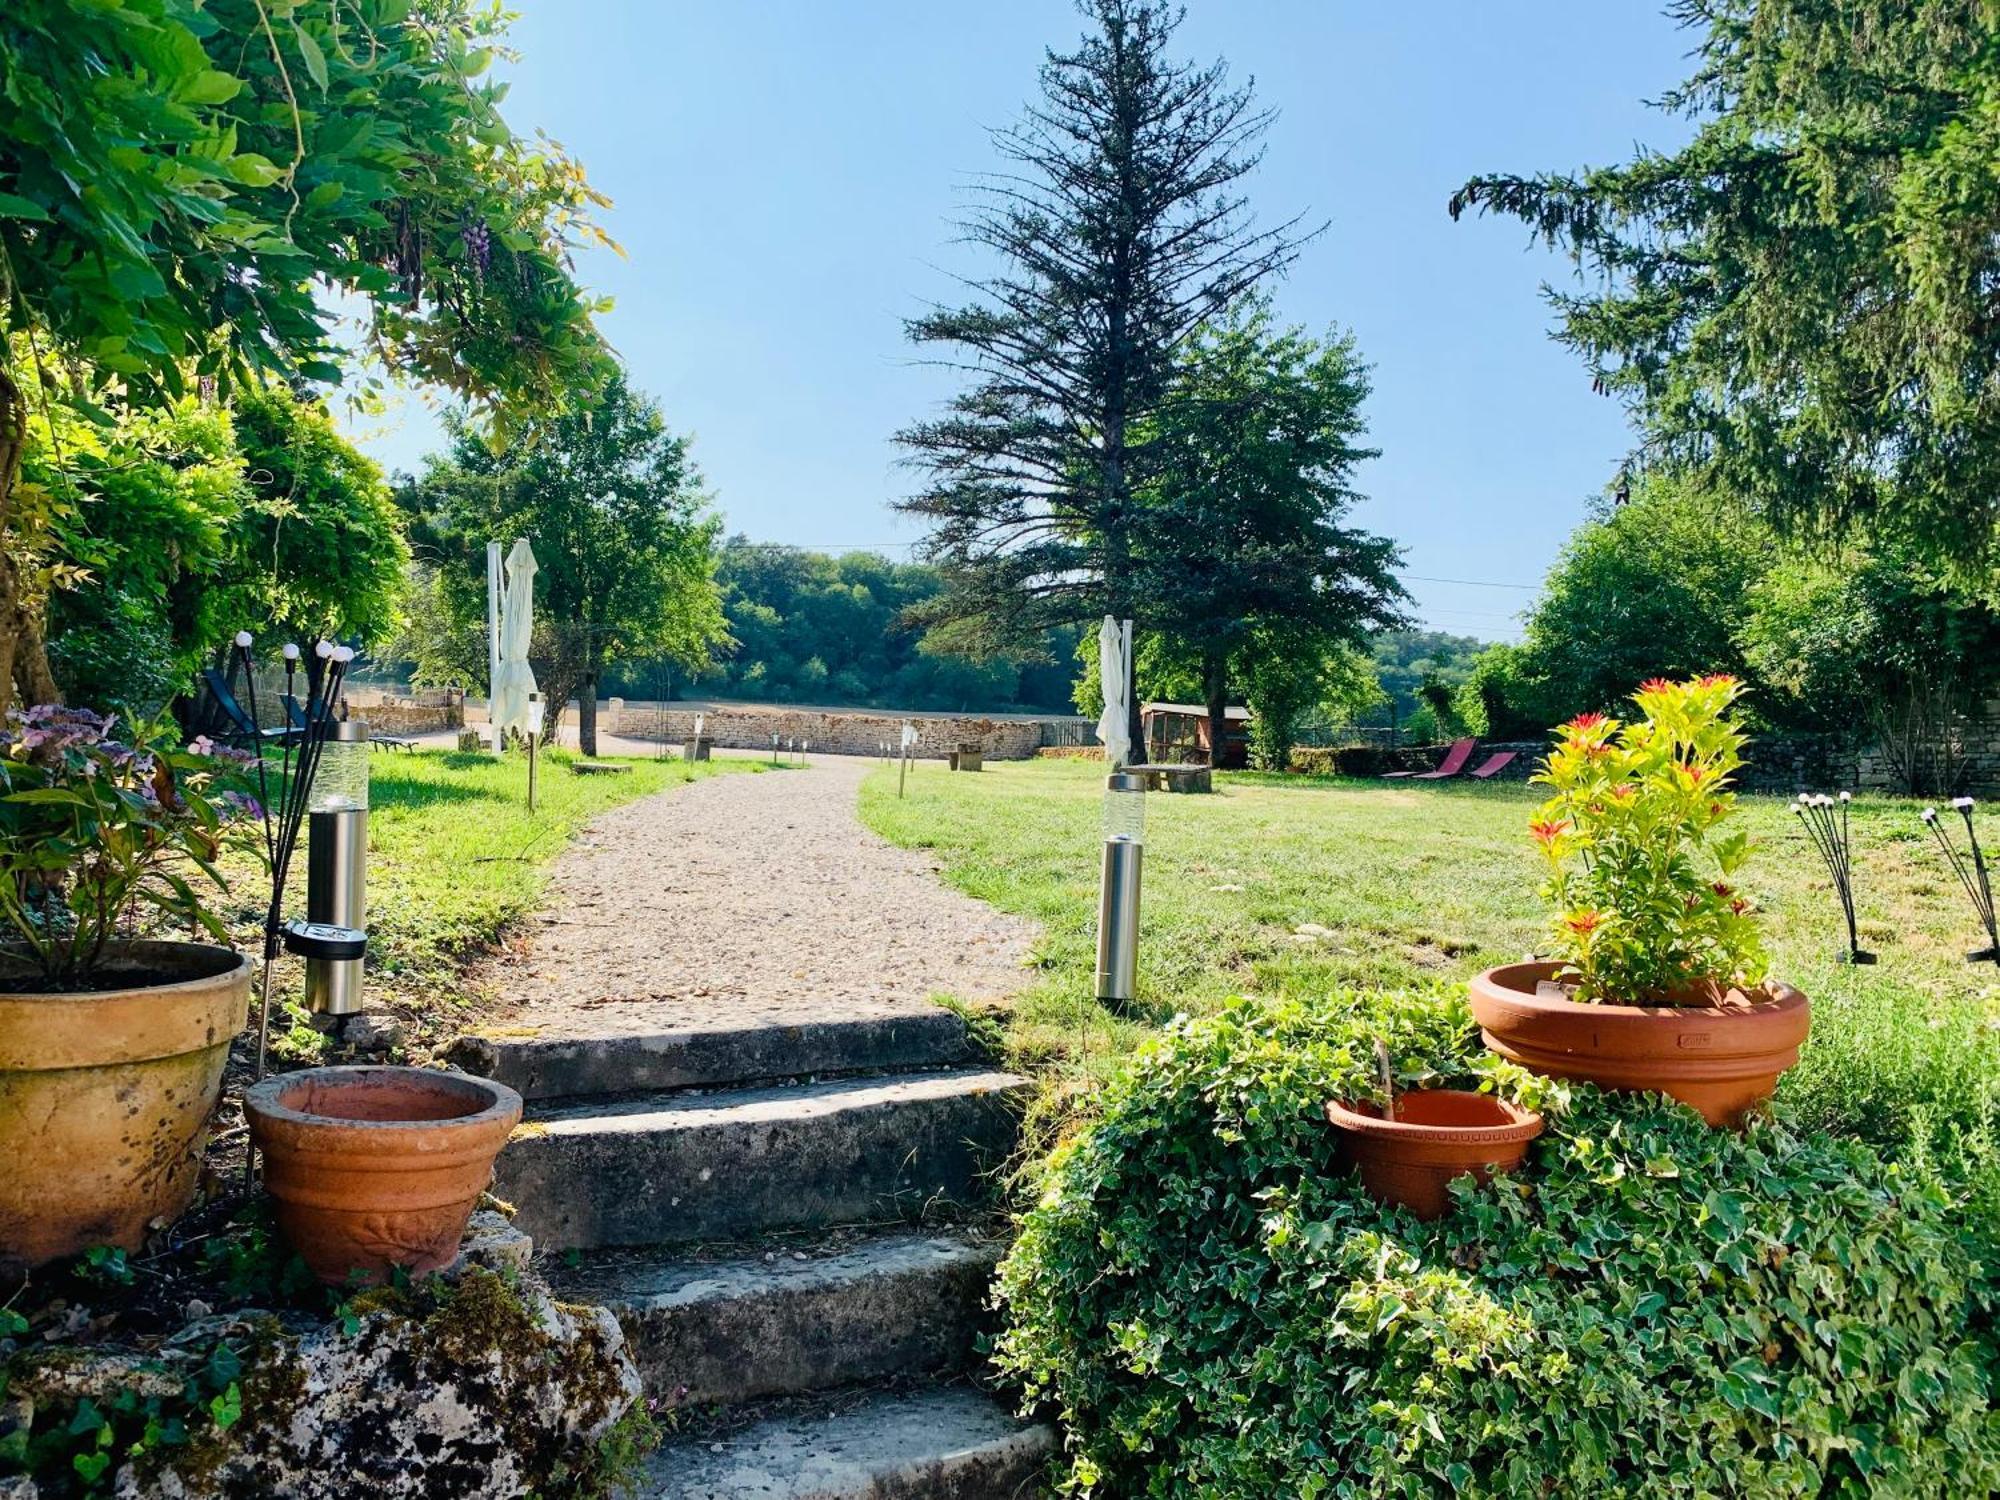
[
  {"x": 1453, "y": 762},
  {"x": 242, "y": 728},
  {"x": 1493, "y": 765}
]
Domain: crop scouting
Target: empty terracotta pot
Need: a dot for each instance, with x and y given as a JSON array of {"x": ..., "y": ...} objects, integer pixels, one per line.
[
  {"x": 1437, "y": 1135},
  {"x": 1722, "y": 1052},
  {"x": 376, "y": 1168}
]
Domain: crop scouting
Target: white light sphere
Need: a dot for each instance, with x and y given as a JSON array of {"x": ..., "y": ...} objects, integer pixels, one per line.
[
  {"x": 343, "y": 653},
  {"x": 323, "y": 649},
  {"x": 291, "y": 651},
  {"x": 243, "y": 639}
]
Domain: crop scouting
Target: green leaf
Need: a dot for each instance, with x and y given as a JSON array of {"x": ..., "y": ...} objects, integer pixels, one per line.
[
  {"x": 253, "y": 170},
  {"x": 12, "y": 207},
  {"x": 209, "y": 87},
  {"x": 310, "y": 54},
  {"x": 227, "y": 1409}
]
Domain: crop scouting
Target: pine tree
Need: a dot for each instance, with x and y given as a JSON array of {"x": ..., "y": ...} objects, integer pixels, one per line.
[{"x": 1121, "y": 226}]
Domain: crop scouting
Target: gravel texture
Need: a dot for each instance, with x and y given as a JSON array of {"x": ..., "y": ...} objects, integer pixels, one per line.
[{"x": 743, "y": 900}]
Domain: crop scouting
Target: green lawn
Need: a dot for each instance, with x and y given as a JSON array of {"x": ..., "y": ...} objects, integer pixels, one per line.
[
  {"x": 1412, "y": 884},
  {"x": 454, "y": 856}
]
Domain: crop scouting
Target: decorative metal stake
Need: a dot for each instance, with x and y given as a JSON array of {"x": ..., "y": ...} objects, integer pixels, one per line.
[
  {"x": 1832, "y": 837},
  {"x": 1972, "y": 874}
]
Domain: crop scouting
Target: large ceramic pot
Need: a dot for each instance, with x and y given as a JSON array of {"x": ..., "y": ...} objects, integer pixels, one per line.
[
  {"x": 105, "y": 1094},
  {"x": 377, "y": 1168},
  {"x": 1437, "y": 1136},
  {"x": 1722, "y": 1052}
]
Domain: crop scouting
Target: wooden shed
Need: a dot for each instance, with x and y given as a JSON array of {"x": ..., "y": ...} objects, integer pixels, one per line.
[{"x": 1178, "y": 733}]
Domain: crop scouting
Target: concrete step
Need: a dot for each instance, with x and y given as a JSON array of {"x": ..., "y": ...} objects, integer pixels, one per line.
[
  {"x": 688, "y": 1168},
  {"x": 791, "y": 1319},
  {"x": 543, "y": 1068},
  {"x": 949, "y": 1443}
]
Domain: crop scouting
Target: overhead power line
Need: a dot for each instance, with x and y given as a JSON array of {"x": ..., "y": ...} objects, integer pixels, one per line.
[{"x": 1472, "y": 583}]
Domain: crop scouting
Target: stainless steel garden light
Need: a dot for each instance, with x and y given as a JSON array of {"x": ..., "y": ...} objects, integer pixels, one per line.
[
  {"x": 336, "y": 861},
  {"x": 1118, "y": 891}
]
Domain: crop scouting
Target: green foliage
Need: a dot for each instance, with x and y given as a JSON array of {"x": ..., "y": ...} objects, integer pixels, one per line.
[
  {"x": 1658, "y": 587},
  {"x": 1403, "y": 657},
  {"x": 177, "y": 525},
  {"x": 93, "y": 830},
  {"x": 810, "y": 628},
  {"x": 1798, "y": 302},
  {"x": 1639, "y": 871},
  {"x": 179, "y": 180},
  {"x": 1238, "y": 545},
  {"x": 1650, "y": 1307},
  {"x": 1880, "y": 642},
  {"x": 319, "y": 547}
]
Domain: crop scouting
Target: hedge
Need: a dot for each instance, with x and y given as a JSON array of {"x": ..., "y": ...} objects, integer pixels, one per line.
[{"x": 1650, "y": 1308}]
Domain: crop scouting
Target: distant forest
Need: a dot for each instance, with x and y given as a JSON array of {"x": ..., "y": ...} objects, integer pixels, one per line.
[{"x": 813, "y": 628}]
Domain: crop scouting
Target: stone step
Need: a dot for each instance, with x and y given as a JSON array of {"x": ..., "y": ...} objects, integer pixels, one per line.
[
  {"x": 688, "y": 1168},
  {"x": 949, "y": 1443},
  {"x": 542, "y": 1068},
  {"x": 791, "y": 1319}
]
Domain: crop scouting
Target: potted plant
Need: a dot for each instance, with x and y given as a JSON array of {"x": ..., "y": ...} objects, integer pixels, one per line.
[
  {"x": 111, "y": 1046},
  {"x": 1410, "y": 1147},
  {"x": 1660, "y": 980}
]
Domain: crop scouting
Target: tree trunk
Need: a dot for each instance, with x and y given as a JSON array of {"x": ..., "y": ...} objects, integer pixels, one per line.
[
  {"x": 1215, "y": 694},
  {"x": 586, "y": 713},
  {"x": 24, "y": 659}
]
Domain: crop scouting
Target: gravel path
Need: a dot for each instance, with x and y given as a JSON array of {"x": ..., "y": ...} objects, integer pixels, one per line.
[{"x": 750, "y": 898}]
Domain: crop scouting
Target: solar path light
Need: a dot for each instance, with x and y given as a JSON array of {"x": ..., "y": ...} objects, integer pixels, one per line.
[
  {"x": 1118, "y": 891},
  {"x": 337, "y": 864}
]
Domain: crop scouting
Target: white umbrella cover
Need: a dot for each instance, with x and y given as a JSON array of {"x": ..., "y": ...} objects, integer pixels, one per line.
[
  {"x": 1114, "y": 665},
  {"x": 515, "y": 680}
]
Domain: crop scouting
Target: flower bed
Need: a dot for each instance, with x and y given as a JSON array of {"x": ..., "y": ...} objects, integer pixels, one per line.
[{"x": 1650, "y": 1307}]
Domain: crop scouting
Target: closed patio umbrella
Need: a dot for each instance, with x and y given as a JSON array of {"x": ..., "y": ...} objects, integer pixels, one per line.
[
  {"x": 1114, "y": 663},
  {"x": 515, "y": 679}
]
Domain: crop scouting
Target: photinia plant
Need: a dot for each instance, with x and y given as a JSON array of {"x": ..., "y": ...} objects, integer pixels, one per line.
[{"x": 1640, "y": 873}]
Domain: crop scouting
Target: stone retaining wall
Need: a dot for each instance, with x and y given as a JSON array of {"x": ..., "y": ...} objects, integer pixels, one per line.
[{"x": 832, "y": 731}]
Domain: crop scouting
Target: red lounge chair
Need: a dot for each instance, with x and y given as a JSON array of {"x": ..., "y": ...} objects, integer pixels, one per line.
[
  {"x": 1453, "y": 762},
  {"x": 1493, "y": 765}
]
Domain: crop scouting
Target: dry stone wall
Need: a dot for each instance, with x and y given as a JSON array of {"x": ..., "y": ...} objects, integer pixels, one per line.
[{"x": 833, "y": 731}]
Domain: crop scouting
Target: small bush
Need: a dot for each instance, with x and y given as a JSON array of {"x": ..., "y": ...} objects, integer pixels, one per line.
[{"x": 1651, "y": 1308}]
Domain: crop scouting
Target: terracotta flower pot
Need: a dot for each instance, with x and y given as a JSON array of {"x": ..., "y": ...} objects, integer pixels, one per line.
[
  {"x": 1722, "y": 1053},
  {"x": 105, "y": 1095},
  {"x": 1437, "y": 1135},
  {"x": 375, "y": 1168}
]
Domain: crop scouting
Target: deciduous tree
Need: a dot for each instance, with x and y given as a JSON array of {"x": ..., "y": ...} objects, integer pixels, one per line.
[
  {"x": 624, "y": 539},
  {"x": 1239, "y": 538}
]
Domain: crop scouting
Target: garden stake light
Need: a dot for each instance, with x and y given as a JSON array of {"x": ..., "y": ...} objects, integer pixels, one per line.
[
  {"x": 325, "y": 671},
  {"x": 1972, "y": 874},
  {"x": 1831, "y": 836}
]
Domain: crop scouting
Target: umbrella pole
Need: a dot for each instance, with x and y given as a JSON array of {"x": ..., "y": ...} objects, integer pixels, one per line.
[{"x": 533, "y": 741}]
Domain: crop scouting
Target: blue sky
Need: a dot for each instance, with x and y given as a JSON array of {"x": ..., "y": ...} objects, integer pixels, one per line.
[{"x": 785, "y": 174}]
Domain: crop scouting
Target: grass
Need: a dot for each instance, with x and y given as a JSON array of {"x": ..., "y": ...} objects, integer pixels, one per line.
[
  {"x": 455, "y": 857},
  {"x": 1425, "y": 883}
]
